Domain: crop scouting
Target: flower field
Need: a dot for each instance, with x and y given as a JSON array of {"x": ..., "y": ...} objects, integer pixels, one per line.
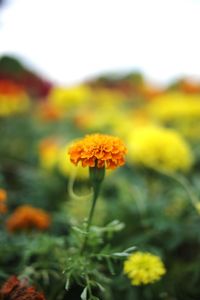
[{"x": 99, "y": 189}]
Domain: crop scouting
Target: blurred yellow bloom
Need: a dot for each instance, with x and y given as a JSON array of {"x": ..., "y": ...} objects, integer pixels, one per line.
[
  {"x": 144, "y": 268},
  {"x": 48, "y": 153},
  {"x": 159, "y": 148},
  {"x": 13, "y": 99},
  {"x": 65, "y": 98},
  {"x": 175, "y": 106},
  {"x": 98, "y": 118},
  {"x": 107, "y": 98},
  {"x": 130, "y": 122}
]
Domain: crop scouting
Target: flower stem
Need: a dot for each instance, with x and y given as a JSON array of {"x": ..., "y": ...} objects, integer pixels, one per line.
[
  {"x": 96, "y": 177},
  {"x": 184, "y": 183}
]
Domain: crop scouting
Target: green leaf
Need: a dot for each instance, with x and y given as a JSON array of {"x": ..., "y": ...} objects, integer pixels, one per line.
[
  {"x": 102, "y": 289},
  {"x": 130, "y": 249},
  {"x": 67, "y": 285},
  {"x": 79, "y": 230},
  {"x": 84, "y": 294},
  {"x": 120, "y": 254},
  {"x": 110, "y": 266}
]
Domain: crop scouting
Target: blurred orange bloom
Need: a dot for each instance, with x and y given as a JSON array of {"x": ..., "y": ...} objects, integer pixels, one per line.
[
  {"x": 8, "y": 87},
  {"x": 14, "y": 289},
  {"x": 98, "y": 150},
  {"x": 49, "y": 112},
  {"x": 3, "y": 195},
  {"x": 189, "y": 86},
  {"x": 27, "y": 217},
  {"x": 3, "y": 198}
]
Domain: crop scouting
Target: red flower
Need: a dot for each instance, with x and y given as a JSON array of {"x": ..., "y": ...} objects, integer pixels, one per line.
[{"x": 14, "y": 289}]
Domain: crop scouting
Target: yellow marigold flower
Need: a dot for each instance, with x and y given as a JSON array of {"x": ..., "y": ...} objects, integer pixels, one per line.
[
  {"x": 3, "y": 199},
  {"x": 65, "y": 98},
  {"x": 98, "y": 150},
  {"x": 159, "y": 148},
  {"x": 144, "y": 268},
  {"x": 175, "y": 106},
  {"x": 130, "y": 122},
  {"x": 28, "y": 217},
  {"x": 48, "y": 153}
]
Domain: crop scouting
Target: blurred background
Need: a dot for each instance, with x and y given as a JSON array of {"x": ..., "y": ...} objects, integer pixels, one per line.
[{"x": 70, "y": 41}]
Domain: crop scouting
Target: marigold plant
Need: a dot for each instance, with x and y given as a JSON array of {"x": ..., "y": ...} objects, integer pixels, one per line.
[
  {"x": 144, "y": 268},
  {"x": 28, "y": 217},
  {"x": 98, "y": 150}
]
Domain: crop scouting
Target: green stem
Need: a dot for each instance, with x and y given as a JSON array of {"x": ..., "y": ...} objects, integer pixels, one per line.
[
  {"x": 184, "y": 183},
  {"x": 140, "y": 290},
  {"x": 96, "y": 177},
  {"x": 94, "y": 200}
]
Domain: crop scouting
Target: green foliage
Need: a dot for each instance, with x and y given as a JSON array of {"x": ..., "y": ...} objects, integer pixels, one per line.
[{"x": 154, "y": 213}]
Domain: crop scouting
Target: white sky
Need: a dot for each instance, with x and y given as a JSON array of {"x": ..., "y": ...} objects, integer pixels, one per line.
[{"x": 69, "y": 40}]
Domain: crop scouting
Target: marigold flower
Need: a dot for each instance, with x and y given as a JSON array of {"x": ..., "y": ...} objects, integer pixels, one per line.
[
  {"x": 98, "y": 150},
  {"x": 14, "y": 289},
  {"x": 144, "y": 268},
  {"x": 3, "y": 195},
  {"x": 66, "y": 98},
  {"x": 159, "y": 148},
  {"x": 27, "y": 217},
  {"x": 175, "y": 106},
  {"x": 67, "y": 168},
  {"x": 48, "y": 153},
  {"x": 3, "y": 198}
]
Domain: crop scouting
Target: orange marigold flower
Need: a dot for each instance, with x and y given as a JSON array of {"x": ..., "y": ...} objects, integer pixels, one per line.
[
  {"x": 14, "y": 289},
  {"x": 98, "y": 150},
  {"x": 27, "y": 217},
  {"x": 3, "y": 198},
  {"x": 3, "y": 195}
]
